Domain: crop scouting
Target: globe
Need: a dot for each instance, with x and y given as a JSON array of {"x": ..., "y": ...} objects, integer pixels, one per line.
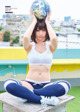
[{"x": 40, "y": 8}]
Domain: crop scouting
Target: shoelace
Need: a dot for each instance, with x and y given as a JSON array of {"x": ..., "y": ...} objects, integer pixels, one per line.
[
  {"x": 44, "y": 100},
  {"x": 49, "y": 101}
]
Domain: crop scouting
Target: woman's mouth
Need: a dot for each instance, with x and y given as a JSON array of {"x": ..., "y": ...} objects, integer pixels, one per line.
[{"x": 40, "y": 36}]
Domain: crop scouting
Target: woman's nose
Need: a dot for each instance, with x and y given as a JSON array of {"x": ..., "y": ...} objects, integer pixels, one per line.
[{"x": 40, "y": 32}]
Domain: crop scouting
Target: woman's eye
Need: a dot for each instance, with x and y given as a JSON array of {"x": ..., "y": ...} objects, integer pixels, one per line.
[
  {"x": 37, "y": 30},
  {"x": 43, "y": 29}
]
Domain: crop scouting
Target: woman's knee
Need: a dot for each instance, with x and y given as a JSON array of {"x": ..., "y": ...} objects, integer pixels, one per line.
[
  {"x": 10, "y": 82},
  {"x": 27, "y": 85},
  {"x": 65, "y": 84}
]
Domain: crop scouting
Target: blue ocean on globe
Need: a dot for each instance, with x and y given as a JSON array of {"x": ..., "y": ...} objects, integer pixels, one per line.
[{"x": 40, "y": 8}]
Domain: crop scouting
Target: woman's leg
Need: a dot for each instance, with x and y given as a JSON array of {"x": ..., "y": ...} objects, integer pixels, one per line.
[
  {"x": 15, "y": 88},
  {"x": 18, "y": 89},
  {"x": 57, "y": 89}
]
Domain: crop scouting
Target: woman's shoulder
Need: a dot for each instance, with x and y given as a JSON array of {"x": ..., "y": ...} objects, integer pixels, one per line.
[
  {"x": 32, "y": 44},
  {"x": 48, "y": 42},
  {"x": 30, "y": 47},
  {"x": 49, "y": 46}
]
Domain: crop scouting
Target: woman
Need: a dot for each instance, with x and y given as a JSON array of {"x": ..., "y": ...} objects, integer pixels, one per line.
[{"x": 37, "y": 86}]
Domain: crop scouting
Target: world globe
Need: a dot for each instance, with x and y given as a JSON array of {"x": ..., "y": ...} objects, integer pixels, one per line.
[{"x": 40, "y": 8}]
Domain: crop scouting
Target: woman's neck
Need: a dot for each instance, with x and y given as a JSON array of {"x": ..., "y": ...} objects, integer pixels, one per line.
[{"x": 41, "y": 43}]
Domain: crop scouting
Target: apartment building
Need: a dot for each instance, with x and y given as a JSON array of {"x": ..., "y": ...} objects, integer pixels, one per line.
[{"x": 1, "y": 35}]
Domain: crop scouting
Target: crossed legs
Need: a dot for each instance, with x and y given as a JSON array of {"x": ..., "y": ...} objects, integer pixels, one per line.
[{"x": 23, "y": 90}]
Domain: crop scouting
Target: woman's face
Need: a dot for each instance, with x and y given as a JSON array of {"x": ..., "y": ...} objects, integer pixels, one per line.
[{"x": 40, "y": 34}]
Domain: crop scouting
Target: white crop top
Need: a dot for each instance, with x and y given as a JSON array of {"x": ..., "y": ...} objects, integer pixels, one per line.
[{"x": 36, "y": 58}]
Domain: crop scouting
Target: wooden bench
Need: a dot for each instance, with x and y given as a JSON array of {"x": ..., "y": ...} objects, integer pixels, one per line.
[{"x": 11, "y": 104}]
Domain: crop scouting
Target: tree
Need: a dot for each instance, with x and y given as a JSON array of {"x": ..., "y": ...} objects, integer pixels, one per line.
[
  {"x": 21, "y": 44},
  {"x": 6, "y": 36},
  {"x": 16, "y": 40},
  {"x": 1, "y": 28},
  {"x": 57, "y": 29},
  {"x": 78, "y": 30}
]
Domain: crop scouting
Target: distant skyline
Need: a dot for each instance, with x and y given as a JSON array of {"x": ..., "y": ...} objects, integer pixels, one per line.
[{"x": 60, "y": 8}]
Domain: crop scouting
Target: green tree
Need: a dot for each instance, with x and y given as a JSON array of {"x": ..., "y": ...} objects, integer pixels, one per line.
[
  {"x": 58, "y": 29},
  {"x": 16, "y": 40},
  {"x": 78, "y": 30},
  {"x": 21, "y": 44},
  {"x": 1, "y": 28},
  {"x": 6, "y": 36}
]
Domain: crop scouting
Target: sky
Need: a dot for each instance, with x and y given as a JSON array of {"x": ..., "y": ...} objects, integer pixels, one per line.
[{"x": 60, "y": 8}]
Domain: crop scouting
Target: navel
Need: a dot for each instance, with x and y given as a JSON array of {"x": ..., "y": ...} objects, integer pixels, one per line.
[{"x": 39, "y": 73}]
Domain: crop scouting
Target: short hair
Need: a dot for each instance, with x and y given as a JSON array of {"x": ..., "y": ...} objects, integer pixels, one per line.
[{"x": 40, "y": 25}]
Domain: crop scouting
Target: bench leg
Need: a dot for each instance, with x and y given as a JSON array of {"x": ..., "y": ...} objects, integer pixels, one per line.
[
  {"x": 61, "y": 108},
  {"x": 9, "y": 108}
]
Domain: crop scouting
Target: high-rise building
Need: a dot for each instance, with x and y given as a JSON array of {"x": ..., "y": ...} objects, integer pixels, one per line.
[{"x": 67, "y": 18}]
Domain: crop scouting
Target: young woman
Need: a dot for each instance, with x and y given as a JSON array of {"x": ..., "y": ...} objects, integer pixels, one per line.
[{"x": 37, "y": 86}]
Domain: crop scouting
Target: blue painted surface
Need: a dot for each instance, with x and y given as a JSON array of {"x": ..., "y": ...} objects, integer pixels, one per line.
[
  {"x": 13, "y": 66},
  {"x": 67, "y": 54},
  {"x": 13, "y": 62},
  {"x": 15, "y": 69},
  {"x": 20, "y": 66}
]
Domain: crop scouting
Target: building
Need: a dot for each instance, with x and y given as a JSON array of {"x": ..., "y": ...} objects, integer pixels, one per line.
[
  {"x": 77, "y": 22},
  {"x": 1, "y": 35},
  {"x": 17, "y": 25},
  {"x": 67, "y": 18}
]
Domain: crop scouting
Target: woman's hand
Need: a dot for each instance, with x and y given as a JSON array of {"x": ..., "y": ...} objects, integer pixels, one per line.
[
  {"x": 33, "y": 16},
  {"x": 48, "y": 17}
]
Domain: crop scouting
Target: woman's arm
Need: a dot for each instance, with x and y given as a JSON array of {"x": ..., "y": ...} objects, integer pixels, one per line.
[
  {"x": 52, "y": 35},
  {"x": 28, "y": 33}
]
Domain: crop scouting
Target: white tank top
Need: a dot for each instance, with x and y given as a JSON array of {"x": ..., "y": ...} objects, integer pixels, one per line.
[{"x": 36, "y": 58}]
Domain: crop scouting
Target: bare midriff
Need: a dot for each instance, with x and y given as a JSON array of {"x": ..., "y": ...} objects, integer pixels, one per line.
[{"x": 39, "y": 72}]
